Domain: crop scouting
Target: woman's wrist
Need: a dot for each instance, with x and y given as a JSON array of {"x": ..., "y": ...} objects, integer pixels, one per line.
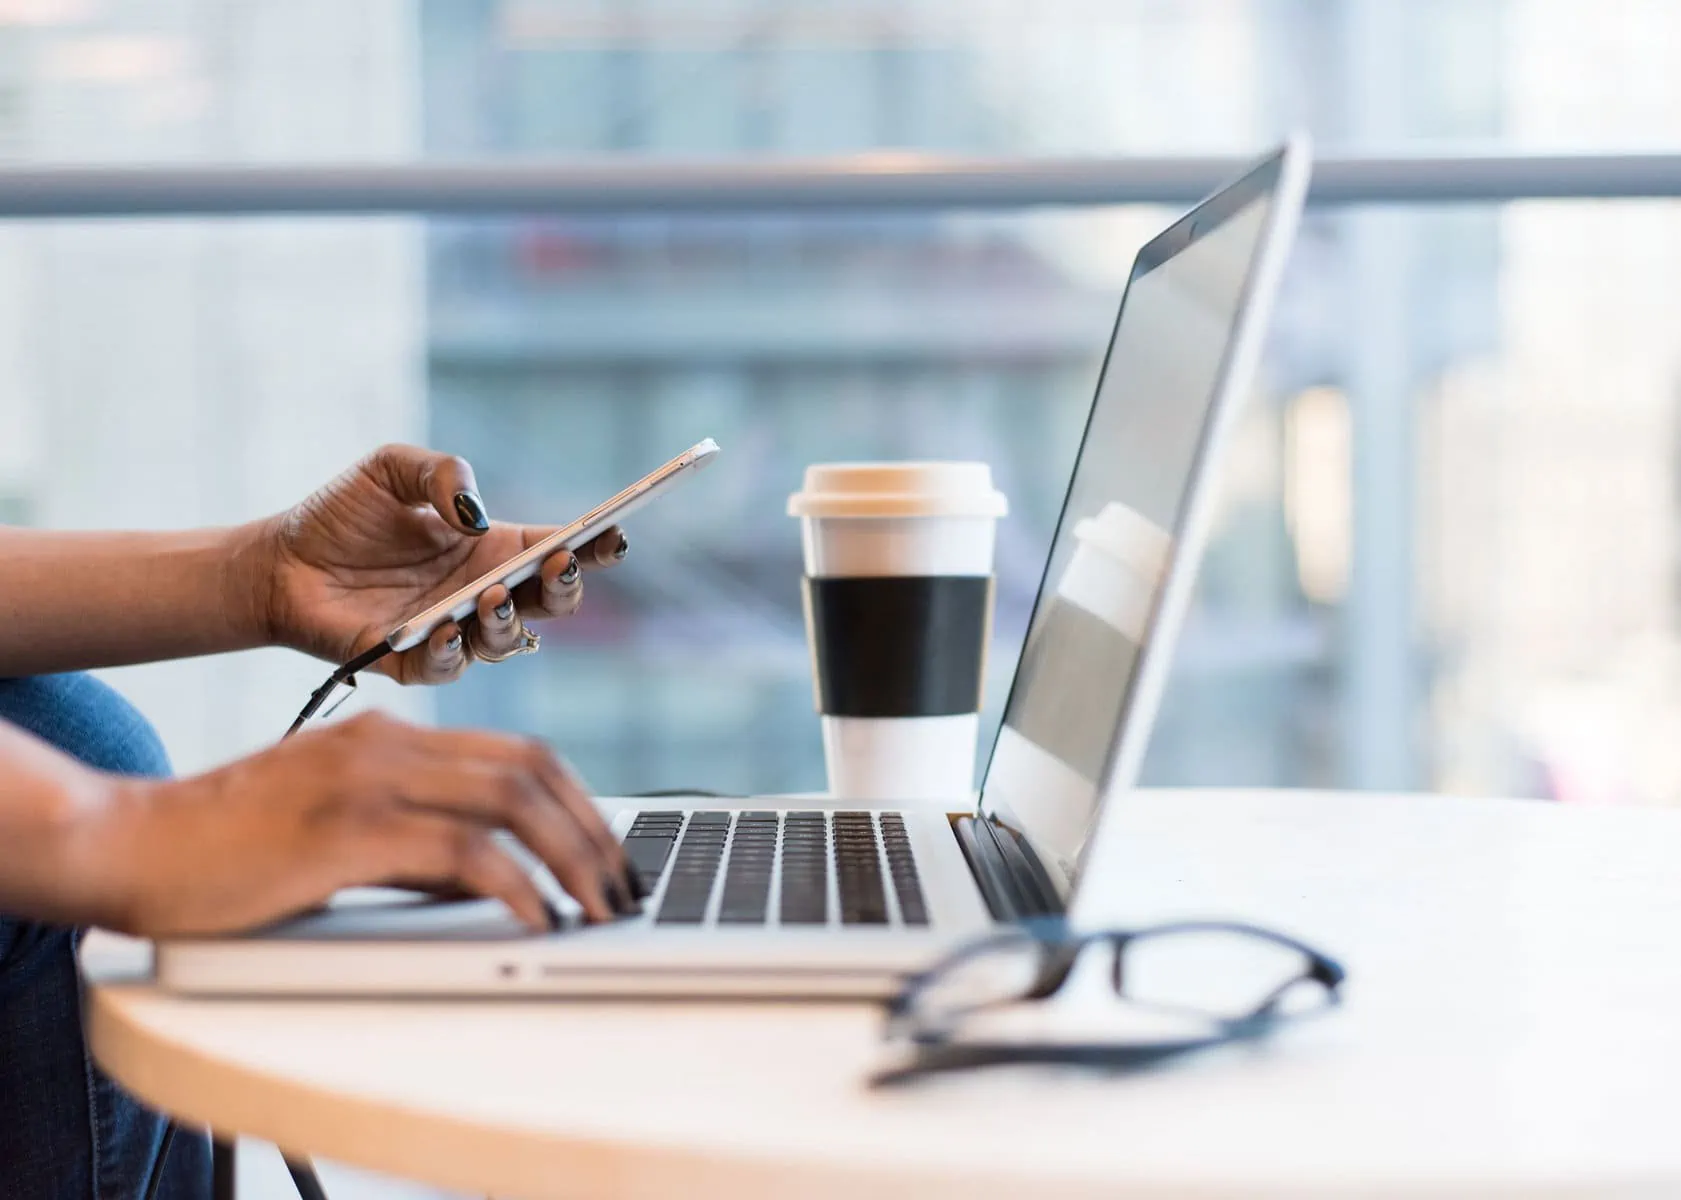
[
  {"x": 97, "y": 852},
  {"x": 66, "y": 845},
  {"x": 250, "y": 555}
]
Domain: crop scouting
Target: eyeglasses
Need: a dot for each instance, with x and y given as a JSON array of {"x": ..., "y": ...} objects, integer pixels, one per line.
[{"x": 1186, "y": 985}]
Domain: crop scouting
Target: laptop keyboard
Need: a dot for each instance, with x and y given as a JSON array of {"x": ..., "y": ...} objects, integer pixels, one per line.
[{"x": 794, "y": 868}]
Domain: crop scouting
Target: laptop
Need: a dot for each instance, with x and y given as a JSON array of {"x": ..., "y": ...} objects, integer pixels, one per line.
[{"x": 786, "y": 896}]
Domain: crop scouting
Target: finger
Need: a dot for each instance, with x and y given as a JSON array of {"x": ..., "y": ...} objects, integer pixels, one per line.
[
  {"x": 441, "y": 893},
  {"x": 512, "y": 797},
  {"x": 556, "y": 592},
  {"x": 440, "y": 659},
  {"x": 605, "y": 549},
  {"x": 559, "y": 780},
  {"x": 558, "y": 784},
  {"x": 445, "y": 852},
  {"x": 499, "y": 624},
  {"x": 600, "y": 551},
  {"x": 445, "y": 481}
]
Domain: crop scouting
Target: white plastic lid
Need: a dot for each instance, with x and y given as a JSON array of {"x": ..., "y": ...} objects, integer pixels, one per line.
[
  {"x": 1127, "y": 537},
  {"x": 898, "y": 489}
]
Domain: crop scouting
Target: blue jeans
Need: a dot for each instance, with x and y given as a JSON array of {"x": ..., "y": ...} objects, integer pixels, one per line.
[{"x": 66, "y": 1131}]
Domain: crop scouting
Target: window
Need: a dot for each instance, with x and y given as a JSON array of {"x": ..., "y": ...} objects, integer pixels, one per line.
[{"x": 1448, "y": 542}]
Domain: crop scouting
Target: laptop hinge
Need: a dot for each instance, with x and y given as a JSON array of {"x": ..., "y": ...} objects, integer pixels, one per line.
[{"x": 1012, "y": 880}]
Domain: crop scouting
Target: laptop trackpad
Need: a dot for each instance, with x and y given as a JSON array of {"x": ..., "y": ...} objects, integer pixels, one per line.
[{"x": 389, "y": 914}]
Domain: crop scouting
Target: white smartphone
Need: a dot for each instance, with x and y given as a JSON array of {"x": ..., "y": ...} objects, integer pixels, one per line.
[{"x": 524, "y": 565}]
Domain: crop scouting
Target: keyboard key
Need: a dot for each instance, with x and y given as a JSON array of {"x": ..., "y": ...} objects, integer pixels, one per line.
[
  {"x": 858, "y": 880},
  {"x": 737, "y": 856},
  {"x": 901, "y": 864},
  {"x": 647, "y": 855},
  {"x": 746, "y": 897},
  {"x": 694, "y": 870},
  {"x": 805, "y": 870}
]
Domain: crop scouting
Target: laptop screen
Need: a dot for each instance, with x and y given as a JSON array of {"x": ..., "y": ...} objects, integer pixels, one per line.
[{"x": 1112, "y": 548}]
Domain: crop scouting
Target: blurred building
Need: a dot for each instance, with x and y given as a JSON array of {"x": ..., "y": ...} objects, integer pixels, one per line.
[
  {"x": 171, "y": 374},
  {"x": 569, "y": 356},
  {"x": 1448, "y": 551}
]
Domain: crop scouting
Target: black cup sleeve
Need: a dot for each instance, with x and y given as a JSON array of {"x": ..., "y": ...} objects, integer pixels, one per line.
[{"x": 900, "y": 646}]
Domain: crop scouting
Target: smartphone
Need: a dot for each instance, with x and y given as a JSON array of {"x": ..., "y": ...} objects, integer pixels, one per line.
[{"x": 524, "y": 565}]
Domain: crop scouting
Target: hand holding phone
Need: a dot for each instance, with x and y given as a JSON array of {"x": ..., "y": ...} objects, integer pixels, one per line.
[
  {"x": 514, "y": 571},
  {"x": 461, "y": 604}
]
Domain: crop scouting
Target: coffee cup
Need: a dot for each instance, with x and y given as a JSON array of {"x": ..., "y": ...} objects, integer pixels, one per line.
[{"x": 898, "y": 596}]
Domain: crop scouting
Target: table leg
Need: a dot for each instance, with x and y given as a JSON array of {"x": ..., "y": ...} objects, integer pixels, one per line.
[
  {"x": 222, "y": 1182},
  {"x": 304, "y": 1178}
]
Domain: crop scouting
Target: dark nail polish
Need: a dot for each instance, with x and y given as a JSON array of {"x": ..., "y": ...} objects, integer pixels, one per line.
[
  {"x": 638, "y": 888},
  {"x": 569, "y": 576},
  {"x": 505, "y": 609},
  {"x": 624, "y": 547},
  {"x": 453, "y": 644},
  {"x": 471, "y": 511},
  {"x": 556, "y": 921}
]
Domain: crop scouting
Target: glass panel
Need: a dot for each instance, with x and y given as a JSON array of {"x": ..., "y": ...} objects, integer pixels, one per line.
[
  {"x": 1448, "y": 549},
  {"x": 175, "y": 374},
  {"x": 568, "y": 359},
  {"x": 1448, "y": 538},
  {"x": 314, "y": 80},
  {"x": 997, "y": 76}
]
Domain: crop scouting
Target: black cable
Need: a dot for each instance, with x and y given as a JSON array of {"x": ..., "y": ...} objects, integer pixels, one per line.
[{"x": 345, "y": 675}]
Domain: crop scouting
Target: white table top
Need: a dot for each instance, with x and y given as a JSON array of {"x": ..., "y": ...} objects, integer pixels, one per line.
[{"x": 1513, "y": 1023}]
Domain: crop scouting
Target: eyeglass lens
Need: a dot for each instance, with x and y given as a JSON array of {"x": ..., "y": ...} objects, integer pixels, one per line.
[{"x": 1215, "y": 972}]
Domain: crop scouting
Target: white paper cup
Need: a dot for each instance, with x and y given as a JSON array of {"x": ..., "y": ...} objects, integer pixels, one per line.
[{"x": 898, "y": 601}]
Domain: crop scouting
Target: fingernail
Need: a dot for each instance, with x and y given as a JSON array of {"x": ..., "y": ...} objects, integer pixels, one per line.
[
  {"x": 556, "y": 921},
  {"x": 471, "y": 511},
  {"x": 624, "y": 547},
  {"x": 453, "y": 644},
  {"x": 505, "y": 609},
  {"x": 638, "y": 888},
  {"x": 569, "y": 576}
]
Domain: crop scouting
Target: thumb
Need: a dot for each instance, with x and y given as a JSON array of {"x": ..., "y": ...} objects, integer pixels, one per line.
[{"x": 445, "y": 481}]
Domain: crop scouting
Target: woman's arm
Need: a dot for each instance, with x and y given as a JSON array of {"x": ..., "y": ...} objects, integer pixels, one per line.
[
  {"x": 369, "y": 800},
  {"x": 331, "y": 576},
  {"x": 72, "y": 601},
  {"x": 47, "y": 804}
]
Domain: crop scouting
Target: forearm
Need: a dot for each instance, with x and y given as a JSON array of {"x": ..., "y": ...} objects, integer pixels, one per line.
[
  {"x": 50, "y": 806},
  {"x": 73, "y": 601}
]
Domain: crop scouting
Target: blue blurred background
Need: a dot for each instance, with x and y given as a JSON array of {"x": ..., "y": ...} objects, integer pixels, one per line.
[{"x": 1447, "y": 551}]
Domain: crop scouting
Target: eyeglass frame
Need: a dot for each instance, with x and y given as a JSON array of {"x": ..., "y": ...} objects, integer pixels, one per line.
[{"x": 1059, "y": 950}]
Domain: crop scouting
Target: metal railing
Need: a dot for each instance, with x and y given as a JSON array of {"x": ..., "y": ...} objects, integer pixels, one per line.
[{"x": 885, "y": 182}]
